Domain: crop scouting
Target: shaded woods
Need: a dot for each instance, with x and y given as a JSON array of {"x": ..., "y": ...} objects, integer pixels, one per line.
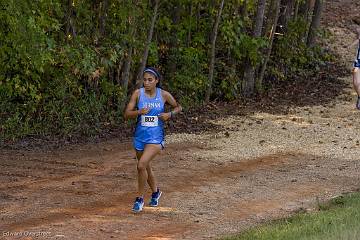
[{"x": 68, "y": 66}]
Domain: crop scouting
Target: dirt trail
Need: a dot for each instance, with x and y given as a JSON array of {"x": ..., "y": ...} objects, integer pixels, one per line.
[
  {"x": 90, "y": 195},
  {"x": 264, "y": 166}
]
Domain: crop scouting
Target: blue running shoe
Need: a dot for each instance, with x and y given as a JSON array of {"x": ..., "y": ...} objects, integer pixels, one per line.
[
  {"x": 357, "y": 61},
  {"x": 358, "y": 103},
  {"x": 155, "y": 196},
  {"x": 138, "y": 205}
]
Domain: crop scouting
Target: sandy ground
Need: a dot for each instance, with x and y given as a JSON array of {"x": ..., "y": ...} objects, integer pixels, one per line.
[{"x": 262, "y": 167}]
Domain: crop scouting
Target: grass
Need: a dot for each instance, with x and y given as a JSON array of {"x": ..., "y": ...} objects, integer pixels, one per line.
[{"x": 339, "y": 219}]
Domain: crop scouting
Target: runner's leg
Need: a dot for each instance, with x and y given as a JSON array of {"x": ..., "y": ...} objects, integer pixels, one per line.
[
  {"x": 356, "y": 82},
  {"x": 151, "y": 178},
  {"x": 139, "y": 154},
  {"x": 150, "y": 151}
]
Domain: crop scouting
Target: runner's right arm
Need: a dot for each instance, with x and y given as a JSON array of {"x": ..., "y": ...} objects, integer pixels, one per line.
[{"x": 130, "y": 111}]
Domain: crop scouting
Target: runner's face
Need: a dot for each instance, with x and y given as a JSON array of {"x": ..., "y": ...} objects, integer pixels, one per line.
[{"x": 150, "y": 81}]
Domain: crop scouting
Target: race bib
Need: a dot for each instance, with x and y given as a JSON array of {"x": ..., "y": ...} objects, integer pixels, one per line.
[{"x": 149, "y": 121}]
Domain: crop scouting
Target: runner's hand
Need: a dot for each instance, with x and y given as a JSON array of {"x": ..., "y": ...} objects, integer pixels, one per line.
[
  {"x": 165, "y": 116},
  {"x": 144, "y": 111}
]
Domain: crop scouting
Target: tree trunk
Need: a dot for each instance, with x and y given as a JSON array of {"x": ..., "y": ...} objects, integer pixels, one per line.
[
  {"x": 103, "y": 15},
  {"x": 268, "y": 19},
  {"x": 173, "y": 45},
  {"x": 304, "y": 13},
  {"x": 288, "y": 6},
  {"x": 243, "y": 10},
  {"x": 188, "y": 41},
  {"x": 197, "y": 17},
  {"x": 147, "y": 45},
  {"x": 275, "y": 19},
  {"x": 296, "y": 10},
  {"x": 70, "y": 28},
  {"x": 118, "y": 71},
  {"x": 126, "y": 75},
  {"x": 212, "y": 54},
  {"x": 289, "y": 10},
  {"x": 127, "y": 66},
  {"x": 304, "y": 9},
  {"x": 315, "y": 23},
  {"x": 248, "y": 84}
]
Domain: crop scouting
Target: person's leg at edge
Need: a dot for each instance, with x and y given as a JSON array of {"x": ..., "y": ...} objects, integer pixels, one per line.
[{"x": 356, "y": 82}]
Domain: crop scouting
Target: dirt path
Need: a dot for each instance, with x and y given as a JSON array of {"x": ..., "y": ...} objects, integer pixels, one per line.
[
  {"x": 86, "y": 193},
  {"x": 263, "y": 166}
]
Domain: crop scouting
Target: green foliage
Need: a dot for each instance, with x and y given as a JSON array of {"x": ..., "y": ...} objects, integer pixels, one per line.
[
  {"x": 63, "y": 65},
  {"x": 291, "y": 55},
  {"x": 189, "y": 81},
  {"x": 228, "y": 86},
  {"x": 241, "y": 45},
  {"x": 50, "y": 85}
]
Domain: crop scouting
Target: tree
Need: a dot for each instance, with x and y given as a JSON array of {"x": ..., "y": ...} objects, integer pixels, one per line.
[
  {"x": 103, "y": 15},
  {"x": 248, "y": 85},
  {"x": 212, "y": 54},
  {"x": 288, "y": 8},
  {"x": 243, "y": 9},
  {"x": 70, "y": 28},
  {"x": 275, "y": 17},
  {"x": 173, "y": 45},
  {"x": 315, "y": 23},
  {"x": 296, "y": 9},
  {"x": 128, "y": 60},
  {"x": 305, "y": 8},
  {"x": 147, "y": 44}
]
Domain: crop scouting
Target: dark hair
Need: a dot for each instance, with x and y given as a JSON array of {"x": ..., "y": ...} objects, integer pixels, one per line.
[{"x": 155, "y": 73}]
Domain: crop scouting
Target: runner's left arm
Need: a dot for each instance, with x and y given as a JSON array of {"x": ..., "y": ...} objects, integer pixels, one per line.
[{"x": 176, "y": 108}]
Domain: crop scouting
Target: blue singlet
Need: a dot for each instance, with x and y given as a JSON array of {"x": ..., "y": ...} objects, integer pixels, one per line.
[{"x": 149, "y": 128}]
